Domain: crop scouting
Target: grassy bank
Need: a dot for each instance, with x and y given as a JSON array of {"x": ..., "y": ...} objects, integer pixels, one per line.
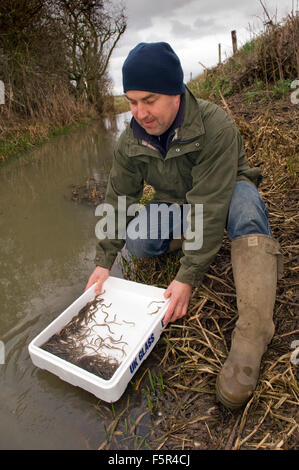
[
  {"x": 121, "y": 104},
  {"x": 178, "y": 381},
  {"x": 20, "y": 135}
]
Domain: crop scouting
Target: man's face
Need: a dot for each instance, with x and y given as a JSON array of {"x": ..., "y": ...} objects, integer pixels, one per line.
[{"x": 153, "y": 111}]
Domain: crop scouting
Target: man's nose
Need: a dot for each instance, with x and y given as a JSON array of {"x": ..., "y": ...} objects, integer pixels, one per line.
[{"x": 142, "y": 111}]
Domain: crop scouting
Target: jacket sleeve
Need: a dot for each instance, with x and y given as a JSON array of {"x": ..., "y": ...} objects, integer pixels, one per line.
[
  {"x": 214, "y": 176},
  {"x": 125, "y": 180}
]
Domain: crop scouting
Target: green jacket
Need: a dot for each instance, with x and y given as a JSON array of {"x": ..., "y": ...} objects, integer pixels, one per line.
[{"x": 203, "y": 163}]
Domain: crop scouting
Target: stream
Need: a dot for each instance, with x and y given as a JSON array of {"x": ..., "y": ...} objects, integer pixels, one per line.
[{"x": 46, "y": 256}]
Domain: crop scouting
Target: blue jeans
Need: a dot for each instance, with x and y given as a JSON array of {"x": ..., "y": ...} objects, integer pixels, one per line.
[{"x": 247, "y": 215}]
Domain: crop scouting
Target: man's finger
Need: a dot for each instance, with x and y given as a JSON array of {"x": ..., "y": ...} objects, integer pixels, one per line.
[
  {"x": 98, "y": 288},
  {"x": 174, "y": 312},
  {"x": 167, "y": 293},
  {"x": 169, "y": 312},
  {"x": 167, "y": 317},
  {"x": 90, "y": 283}
]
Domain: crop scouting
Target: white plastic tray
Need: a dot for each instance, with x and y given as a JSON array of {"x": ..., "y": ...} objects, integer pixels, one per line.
[{"x": 131, "y": 309}]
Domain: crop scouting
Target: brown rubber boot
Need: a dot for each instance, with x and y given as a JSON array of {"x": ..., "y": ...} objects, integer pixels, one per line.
[{"x": 255, "y": 268}]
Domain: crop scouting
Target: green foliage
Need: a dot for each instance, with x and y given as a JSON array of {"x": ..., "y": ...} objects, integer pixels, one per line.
[
  {"x": 212, "y": 85},
  {"x": 248, "y": 46},
  {"x": 121, "y": 104},
  {"x": 223, "y": 85},
  {"x": 281, "y": 88},
  {"x": 259, "y": 85},
  {"x": 293, "y": 165},
  {"x": 13, "y": 143},
  {"x": 251, "y": 94}
]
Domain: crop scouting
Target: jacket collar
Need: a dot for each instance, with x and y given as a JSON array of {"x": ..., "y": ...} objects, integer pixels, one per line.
[{"x": 192, "y": 125}]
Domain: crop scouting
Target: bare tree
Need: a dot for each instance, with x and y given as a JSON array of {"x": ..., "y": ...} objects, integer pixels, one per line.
[
  {"x": 91, "y": 29},
  {"x": 50, "y": 45},
  {"x": 30, "y": 70}
]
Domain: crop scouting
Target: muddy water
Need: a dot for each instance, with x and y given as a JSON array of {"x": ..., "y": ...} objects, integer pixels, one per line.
[{"x": 46, "y": 256}]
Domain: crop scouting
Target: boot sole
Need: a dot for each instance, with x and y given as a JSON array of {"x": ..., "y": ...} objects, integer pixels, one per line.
[{"x": 225, "y": 401}]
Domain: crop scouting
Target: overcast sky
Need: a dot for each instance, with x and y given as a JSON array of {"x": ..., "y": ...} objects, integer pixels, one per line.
[{"x": 193, "y": 28}]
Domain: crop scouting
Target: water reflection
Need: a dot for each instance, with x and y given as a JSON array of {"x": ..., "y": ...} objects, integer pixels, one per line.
[{"x": 46, "y": 256}]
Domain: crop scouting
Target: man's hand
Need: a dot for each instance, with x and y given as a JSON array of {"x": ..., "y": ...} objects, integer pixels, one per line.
[
  {"x": 180, "y": 294},
  {"x": 99, "y": 275}
]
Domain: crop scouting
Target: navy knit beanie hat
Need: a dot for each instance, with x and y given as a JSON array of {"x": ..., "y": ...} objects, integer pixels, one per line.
[{"x": 153, "y": 67}]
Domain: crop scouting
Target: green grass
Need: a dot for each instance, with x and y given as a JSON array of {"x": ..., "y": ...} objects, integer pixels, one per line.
[{"x": 121, "y": 104}]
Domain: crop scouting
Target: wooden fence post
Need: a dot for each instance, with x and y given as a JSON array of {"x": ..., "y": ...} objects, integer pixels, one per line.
[
  {"x": 234, "y": 41},
  {"x": 219, "y": 53}
]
